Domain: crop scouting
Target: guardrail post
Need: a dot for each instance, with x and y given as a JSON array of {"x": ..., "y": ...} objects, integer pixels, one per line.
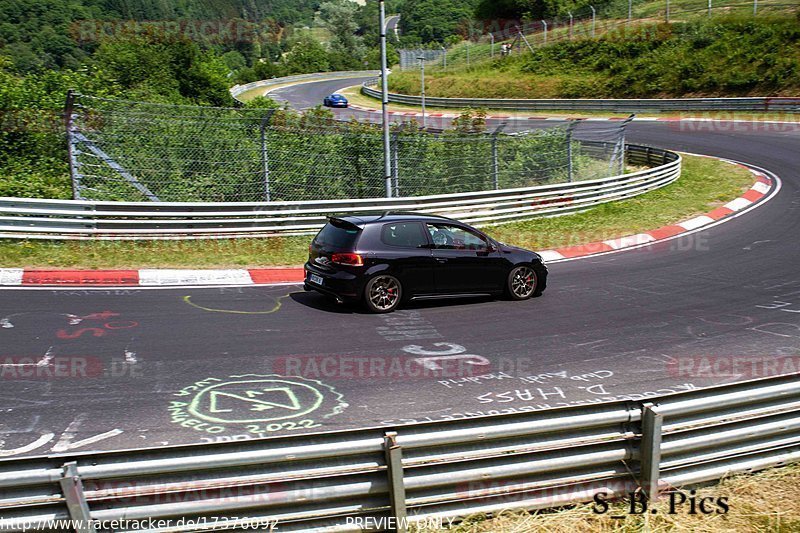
[
  {"x": 69, "y": 125},
  {"x": 72, "y": 489},
  {"x": 397, "y": 487},
  {"x": 264, "y": 155},
  {"x": 650, "y": 450}
]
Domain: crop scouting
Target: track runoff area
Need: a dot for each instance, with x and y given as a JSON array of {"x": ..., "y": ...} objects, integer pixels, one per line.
[{"x": 131, "y": 367}]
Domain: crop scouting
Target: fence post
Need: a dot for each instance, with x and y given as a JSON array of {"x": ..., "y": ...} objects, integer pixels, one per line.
[
  {"x": 544, "y": 23},
  {"x": 667, "y": 13},
  {"x": 570, "y": 129},
  {"x": 72, "y": 490},
  {"x": 650, "y": 450},
  {"x": 69, "y": 125},
  {"x": 495, "y": 158},
  {"x": 755, "y": 7},
  {"x": 265, "y": 156},
  {"x": 397, "y": 488},
  {"x": 594, "y": 19},
  {"x": 570, "y": 25},
  {"x": 396, "y": 165}
]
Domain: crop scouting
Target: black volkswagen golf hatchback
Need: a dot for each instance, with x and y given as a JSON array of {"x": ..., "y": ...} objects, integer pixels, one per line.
[{"x": 386, "y": 260}]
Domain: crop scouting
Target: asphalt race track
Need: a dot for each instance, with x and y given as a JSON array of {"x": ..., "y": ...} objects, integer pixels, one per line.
[{"x": 86, "y": 369}]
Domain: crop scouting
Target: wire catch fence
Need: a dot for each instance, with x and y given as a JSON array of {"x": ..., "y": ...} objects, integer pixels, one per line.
[{"x": 135, "y": 151}]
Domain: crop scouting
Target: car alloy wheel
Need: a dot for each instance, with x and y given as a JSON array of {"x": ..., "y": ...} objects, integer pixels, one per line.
[
  {"x": 383, "y": 293},
  {"x": 522, "y": 282}
]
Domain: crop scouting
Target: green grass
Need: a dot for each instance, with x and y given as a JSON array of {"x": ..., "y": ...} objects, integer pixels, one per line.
[
  {"x": 705, "y": 184},
  {"x": 224, "y": 253}
]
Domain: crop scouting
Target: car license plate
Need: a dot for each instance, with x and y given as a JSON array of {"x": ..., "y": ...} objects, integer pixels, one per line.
[{"x": 313, "y": 278}]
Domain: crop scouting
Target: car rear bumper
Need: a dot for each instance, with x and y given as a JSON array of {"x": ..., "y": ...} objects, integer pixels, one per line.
[{"x": 340, "y": 284}]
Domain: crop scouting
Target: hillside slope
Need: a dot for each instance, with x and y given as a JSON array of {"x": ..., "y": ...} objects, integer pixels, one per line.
[{"x": 720, "y": 57}]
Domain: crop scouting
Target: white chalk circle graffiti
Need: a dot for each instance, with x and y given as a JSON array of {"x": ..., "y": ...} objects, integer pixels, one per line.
[{"x": 252, "y": 398}]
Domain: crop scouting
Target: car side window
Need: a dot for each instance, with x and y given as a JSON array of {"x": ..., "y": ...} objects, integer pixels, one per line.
[
  {"x": 404, "y": 235},
  {"x": 447, "y": 237}
]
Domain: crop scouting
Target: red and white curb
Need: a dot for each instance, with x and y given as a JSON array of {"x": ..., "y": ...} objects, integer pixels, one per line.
[
  {"x": 165, "y": 278},
  {"x": 150, "y": 277},
  {"x": 762, "y": 187}
]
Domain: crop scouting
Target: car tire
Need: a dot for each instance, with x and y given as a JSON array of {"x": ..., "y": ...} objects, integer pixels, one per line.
[
  {"x": 523, "y": 282},
  {"x": 383, "y": 294}
]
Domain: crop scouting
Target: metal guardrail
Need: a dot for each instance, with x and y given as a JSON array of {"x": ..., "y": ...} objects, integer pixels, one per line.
[
  {"x": 237, "y": 90},
  {"x": 773, "y": 104},
  {"x": 78, "y": 219},
  {"x": 434, "y": 470}
]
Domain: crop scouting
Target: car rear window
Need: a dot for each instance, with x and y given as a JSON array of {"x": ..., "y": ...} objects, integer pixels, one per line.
[
  {"x": 337, "y": 237},
  {"x": 404, "y": 234}
]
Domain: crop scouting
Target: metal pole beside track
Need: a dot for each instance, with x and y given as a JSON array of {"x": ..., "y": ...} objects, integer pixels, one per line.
[
  {"x": 422, "y": 85},
  {"x": 387, "y": 146},
  {"x": 570, "y": 25},
  {"x": 69, "y": 124},
  {"x": 265, "y": 156}
]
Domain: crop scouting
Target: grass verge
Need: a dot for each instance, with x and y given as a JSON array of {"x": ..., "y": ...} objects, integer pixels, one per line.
[
  {"x": 768, "y": 501},
  {"x": 705, "y": 184}
]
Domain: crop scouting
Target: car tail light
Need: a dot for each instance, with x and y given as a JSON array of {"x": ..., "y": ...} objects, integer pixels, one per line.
[{"x": 347, "y": 259}]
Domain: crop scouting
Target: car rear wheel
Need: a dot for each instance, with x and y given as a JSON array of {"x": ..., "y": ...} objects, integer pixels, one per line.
[
  {"x": 383, "y": 294},
  {"x": 523, "y": 282}
]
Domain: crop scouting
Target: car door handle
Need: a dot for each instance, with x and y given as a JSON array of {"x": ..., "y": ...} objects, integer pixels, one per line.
[{"x": 441, "y": 259}]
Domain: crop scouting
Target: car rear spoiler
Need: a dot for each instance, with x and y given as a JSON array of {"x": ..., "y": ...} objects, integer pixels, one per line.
[{"x": 346, "y": 224}]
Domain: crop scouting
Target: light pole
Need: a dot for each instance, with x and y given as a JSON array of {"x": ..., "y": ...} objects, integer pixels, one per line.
[
  {"x": 594, "y": 19},
  {"x": 422, "y": 75},
  {"x": 387, "y": 147},
  {"x": 709, "y": 8},
  {"x": 630, "y": 10},
  {"x": 667, "y": 11},
  {"x": 544, "y": 23},
  {"x": 444, "y": 58},
  {"x": 491, "y": 35}
]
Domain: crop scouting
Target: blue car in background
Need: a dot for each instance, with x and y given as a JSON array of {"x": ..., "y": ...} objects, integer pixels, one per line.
[{"x": 335, "y": 100}]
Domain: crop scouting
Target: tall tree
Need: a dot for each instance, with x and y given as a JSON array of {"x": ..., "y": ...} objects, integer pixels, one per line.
[{"x": 340, "y": 18}]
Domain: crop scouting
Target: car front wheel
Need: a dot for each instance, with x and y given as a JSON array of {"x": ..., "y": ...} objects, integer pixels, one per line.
[
  {"x": 523, "y": 282},
  {"x": 383, "y": 294}
]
